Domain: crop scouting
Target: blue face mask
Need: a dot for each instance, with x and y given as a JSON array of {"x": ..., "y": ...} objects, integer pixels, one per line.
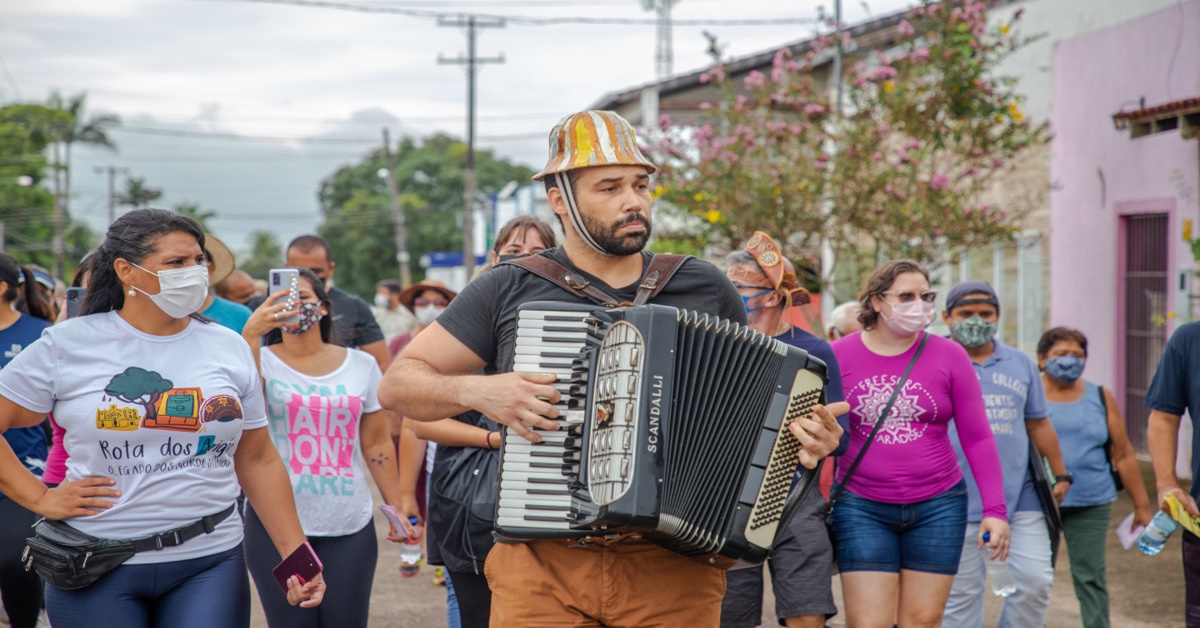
[
  {"x": 1065, "y": 368},
  {"x": 746, "y": 301}
]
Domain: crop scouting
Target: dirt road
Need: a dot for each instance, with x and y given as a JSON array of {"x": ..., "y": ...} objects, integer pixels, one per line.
[{"x": 1146, "y": 592}]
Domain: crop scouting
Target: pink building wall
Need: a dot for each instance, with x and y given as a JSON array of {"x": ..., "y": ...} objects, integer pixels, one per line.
[{"x": 1099, "y": 173}]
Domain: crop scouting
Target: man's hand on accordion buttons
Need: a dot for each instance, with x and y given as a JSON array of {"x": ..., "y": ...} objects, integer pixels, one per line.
[
  {"x": 520, "y": 401},
  {"x": 819, "y": 433}
]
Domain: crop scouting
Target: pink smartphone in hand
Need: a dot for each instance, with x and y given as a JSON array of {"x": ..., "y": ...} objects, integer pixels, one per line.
[
  {"x": 302, "y": 563},
  {"x": 393, "y": 518}
]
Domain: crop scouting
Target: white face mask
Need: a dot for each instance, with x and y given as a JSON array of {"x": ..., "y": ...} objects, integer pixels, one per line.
[
  {"x": 181, "y": 291},
  {"x": 426, "y": 315},
  {"x": 382, "y": 301}
]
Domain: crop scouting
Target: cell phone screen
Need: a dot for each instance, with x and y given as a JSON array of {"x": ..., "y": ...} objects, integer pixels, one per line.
[{"x": 74, "y": 299}]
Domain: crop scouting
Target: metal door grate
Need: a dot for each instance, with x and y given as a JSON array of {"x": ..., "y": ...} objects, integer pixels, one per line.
[{"x": 1145, "y": 281}]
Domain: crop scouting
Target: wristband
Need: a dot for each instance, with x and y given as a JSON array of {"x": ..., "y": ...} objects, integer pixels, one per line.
[{"x": 487, "y": 441}]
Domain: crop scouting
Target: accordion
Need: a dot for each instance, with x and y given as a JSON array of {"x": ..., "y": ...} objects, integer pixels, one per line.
[{"x": 673, "y": 425}]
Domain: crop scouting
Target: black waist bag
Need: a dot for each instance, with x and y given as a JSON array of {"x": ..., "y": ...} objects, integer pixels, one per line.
[{"x": 70, "y": 559}]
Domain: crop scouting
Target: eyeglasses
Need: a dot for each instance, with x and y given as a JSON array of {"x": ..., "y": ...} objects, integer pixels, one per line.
[
  {"x": 908, "y": 297},
  {"x": 423, "y": 302}
]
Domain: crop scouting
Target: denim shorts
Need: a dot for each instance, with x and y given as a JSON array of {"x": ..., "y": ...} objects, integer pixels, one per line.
[{"x": 924, "y": 536}]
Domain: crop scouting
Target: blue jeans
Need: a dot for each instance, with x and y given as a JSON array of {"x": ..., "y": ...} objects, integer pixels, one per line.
[
  {"x": 1029, "y": 560},
  {"x": 924, "y": 536},
  {"x": 197, "y": 593}
]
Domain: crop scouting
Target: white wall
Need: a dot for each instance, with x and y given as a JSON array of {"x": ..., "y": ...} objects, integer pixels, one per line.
[{"x": 1059, "y": 20}]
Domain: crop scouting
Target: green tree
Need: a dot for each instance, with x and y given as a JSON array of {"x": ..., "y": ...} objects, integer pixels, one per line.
[
  {"x": 137, "y": 194},
  {"x": 26, "y": 205},
  {"x": 927, "y": 130},
  {"x": 196, "y": 212},
  {"x": 74, "y": 128},
  {"x": 265, "y": 254},
  {"x": 429, "y": 173}
]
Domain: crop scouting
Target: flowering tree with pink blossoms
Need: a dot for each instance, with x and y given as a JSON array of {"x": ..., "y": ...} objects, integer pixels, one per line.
[{"x": 926, "y": 129}]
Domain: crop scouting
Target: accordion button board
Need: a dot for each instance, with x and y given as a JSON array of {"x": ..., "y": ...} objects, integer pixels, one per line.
[{"x": 673, "y": 424}]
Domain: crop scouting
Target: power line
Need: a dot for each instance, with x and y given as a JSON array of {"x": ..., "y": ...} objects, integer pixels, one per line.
[{"x": 522, "y": 20}]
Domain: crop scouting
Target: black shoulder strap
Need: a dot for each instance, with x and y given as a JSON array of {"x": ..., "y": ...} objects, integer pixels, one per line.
[
  {"x": 882, "y": 417},
  {"x": 660, "y": 270}
]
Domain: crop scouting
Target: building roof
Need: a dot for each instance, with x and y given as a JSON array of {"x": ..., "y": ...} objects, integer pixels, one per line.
[
  {"x": 1180, "y": 114},
  {"x": 872, "y": 34},
  {"x": 876, "y": 34}
]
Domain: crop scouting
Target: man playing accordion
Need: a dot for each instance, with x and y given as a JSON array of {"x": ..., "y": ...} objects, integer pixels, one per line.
[{"x": 598, "y": 183}]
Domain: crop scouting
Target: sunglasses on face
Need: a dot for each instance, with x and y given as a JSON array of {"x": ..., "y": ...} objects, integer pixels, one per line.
[
  {"x": 908, "y": 297},
  {"x": 423, "y": 302}
]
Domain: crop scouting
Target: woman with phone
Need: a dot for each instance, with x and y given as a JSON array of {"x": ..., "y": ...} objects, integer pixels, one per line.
[
  {"x": 331, "y": 431},
  {"x": 23, "y": 316},
  {"x": 163, "y": 419}
]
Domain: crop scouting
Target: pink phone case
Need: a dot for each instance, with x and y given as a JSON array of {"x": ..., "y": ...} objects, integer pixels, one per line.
[
  {"x": 302, "y": 563},
  {"x": 393, "y": 518}
]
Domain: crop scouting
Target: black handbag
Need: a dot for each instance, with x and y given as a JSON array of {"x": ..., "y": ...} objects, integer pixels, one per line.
[
  {"x": 71, "y": 559},
  {"x": 887, "y": 409},
  {"x": 462, "y": 510},
  {"x": 1108, "y": 446},
  {"x": 1043, "y": 485}
]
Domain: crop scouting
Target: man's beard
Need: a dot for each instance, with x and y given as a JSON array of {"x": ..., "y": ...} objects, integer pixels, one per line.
[{"x": 614, "y": 244}]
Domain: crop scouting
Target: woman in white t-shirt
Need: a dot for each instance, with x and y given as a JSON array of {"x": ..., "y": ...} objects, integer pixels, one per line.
[
  {"x": 330, "y": 431},
  {"x": 163, "y": 416}
]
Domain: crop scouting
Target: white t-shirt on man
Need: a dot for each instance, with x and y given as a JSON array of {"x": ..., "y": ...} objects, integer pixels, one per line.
[
  {"x": 162, "y": 415},
  {"x": 316, "y": 422}
]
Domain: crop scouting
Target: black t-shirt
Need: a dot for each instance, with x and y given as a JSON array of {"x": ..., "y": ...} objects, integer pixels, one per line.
[
  {"x": 353, "y": 320},
  {"x": 484, "y": 315}
]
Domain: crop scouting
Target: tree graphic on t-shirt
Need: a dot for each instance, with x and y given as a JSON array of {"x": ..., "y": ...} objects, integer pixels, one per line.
[{"x": 137, "y": 385}]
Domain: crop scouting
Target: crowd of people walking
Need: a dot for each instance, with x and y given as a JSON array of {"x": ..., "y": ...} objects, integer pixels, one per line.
[{"x": 222, "y": 432}]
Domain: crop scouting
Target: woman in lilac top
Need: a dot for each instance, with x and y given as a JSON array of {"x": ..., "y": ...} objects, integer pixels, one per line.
[{"x": 898, "y": 522}]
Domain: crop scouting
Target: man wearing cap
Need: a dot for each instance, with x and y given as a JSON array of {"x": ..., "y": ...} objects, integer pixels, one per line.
[
  {"x": 222, "y": 311},
  {"x": 598, "y": 184},
  {"x": 802, "y": 561},
  {"x": 1016, "y": 409}
]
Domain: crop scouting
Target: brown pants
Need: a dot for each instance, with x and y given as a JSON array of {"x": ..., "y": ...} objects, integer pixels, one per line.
[{"x": 553, "y": 584}]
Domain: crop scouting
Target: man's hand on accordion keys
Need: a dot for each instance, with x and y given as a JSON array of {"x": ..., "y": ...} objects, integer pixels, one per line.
[
  {"x": 819, "y": 433},
  {"x": 519, "y": 400}
]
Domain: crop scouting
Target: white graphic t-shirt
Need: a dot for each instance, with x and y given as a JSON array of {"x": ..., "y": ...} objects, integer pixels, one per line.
[
  {"x": 315, "y": 422},
  {"x": 162, "y": 415}
]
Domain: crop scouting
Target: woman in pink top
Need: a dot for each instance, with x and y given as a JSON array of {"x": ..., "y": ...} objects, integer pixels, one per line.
[{"x": 898, "y": 521}]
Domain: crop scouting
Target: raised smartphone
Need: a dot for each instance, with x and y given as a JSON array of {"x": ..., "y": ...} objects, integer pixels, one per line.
[
  {"x": 302, "y": 563},
  {"x": 74, "y": 299},
  {"x": 286, "y": 279}
]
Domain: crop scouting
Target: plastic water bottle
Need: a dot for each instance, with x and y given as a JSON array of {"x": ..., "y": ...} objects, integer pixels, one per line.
[
  {"x": 1155, "y": 536},
  {"x": 410, "y": 553},
  {"x": 1003, "y": 583}
]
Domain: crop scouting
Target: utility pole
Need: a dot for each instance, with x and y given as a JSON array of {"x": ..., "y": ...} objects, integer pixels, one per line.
[
  {"x": 112, "y": 188},
  {"x": 829, "y": 296},
  {"x": 664, "y": 55},
  {"x": 472, "y": 23},
  {"x": 401, "y": 232}
]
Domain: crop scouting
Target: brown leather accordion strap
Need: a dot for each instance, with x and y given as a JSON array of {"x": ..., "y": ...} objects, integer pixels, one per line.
[
  {"x": 558, "y": 274},
  {"x": 662, "y": 268}
]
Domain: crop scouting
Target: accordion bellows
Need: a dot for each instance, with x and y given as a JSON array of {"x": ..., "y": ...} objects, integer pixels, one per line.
[{"x": 674, "y": 425}]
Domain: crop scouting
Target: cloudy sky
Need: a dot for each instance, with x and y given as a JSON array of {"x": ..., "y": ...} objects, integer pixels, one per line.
[{"x": 245, "y": 106}]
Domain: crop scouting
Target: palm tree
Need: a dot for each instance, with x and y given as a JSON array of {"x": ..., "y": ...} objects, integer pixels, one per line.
[
  {"x": 195, "y": 212},
  {"x": 137, "y": 194},
  {"x": 76, "y": 128}
]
